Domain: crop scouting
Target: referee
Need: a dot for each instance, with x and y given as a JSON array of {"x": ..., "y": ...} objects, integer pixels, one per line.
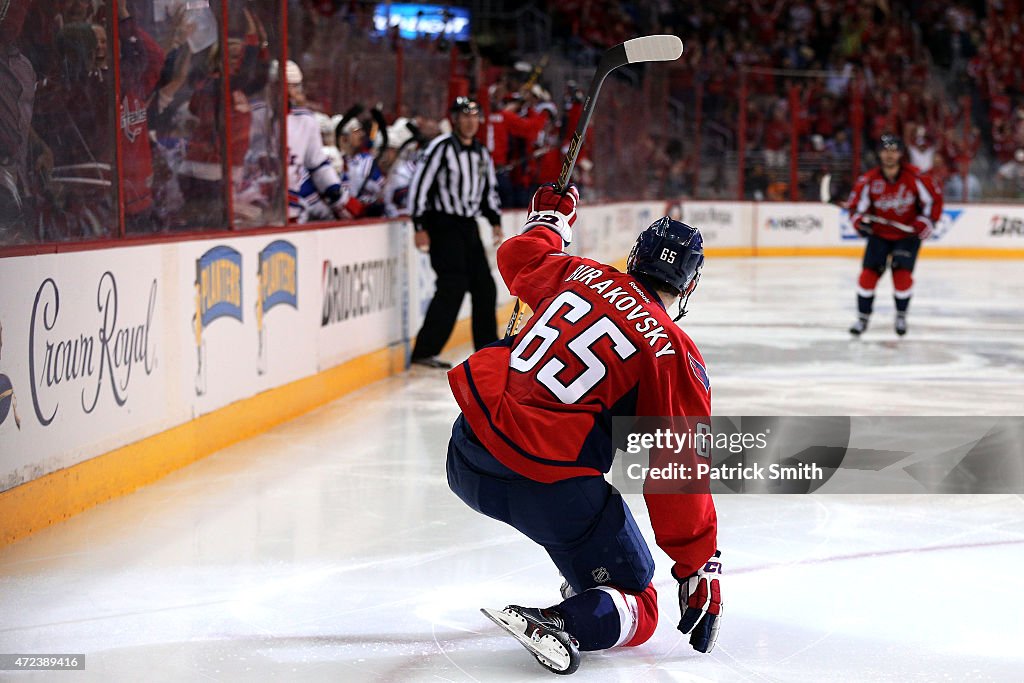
[{"x": 454, "y": 183}]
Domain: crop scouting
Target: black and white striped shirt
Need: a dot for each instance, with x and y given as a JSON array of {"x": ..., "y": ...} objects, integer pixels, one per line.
[{"x": 454, "y": 179}]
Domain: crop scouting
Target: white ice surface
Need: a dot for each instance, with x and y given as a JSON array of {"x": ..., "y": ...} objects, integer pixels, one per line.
[{"x": 331, "y": 549}]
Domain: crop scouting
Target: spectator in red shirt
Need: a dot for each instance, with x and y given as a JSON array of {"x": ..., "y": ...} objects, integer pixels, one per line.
[
  {"x": 202, "y": 171},
  {"x": 141, "y": 61}
]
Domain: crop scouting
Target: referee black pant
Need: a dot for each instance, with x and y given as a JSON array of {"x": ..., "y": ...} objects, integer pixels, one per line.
[{"x": 457, "y": 257}]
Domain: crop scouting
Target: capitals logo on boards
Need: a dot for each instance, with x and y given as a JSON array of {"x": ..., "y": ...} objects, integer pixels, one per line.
[
  {"x": 8, "y": 402},
  {"x": 277, "y": 275},
  {"x": 218, "y": 292}
]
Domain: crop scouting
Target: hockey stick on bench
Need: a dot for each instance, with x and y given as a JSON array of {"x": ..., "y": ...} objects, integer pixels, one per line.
[{"x": 659, "y": 48}]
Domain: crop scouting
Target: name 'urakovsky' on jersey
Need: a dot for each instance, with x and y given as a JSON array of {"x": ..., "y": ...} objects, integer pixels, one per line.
[{"x": 623, "y": 301}]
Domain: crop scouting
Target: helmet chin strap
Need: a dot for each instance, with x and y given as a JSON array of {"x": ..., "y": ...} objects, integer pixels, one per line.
[
  {"x": 685, "y": 298},
  {"x": 682, "y": 308}
]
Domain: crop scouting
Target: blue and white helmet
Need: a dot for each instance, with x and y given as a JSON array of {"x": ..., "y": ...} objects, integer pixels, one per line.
[{"x": 669, "y": 252}]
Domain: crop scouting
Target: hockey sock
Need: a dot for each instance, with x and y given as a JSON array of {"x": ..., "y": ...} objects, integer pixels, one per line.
[
  {"x": 866, "y": 291},
  {"x": 592, "y": 617},
  {"x": 605, "y": 617},
  {"x": 903, "y": 284},
  {"x": 646, "y": 616}
]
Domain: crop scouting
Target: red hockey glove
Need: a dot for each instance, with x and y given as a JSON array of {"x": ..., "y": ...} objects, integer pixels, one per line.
[
  {"x": 700, "y": 603},
  {"x": 355, "y": 207},
  {"x": 922, "y": 227},
  {"x": 344, "y": 208},
  {"x": 553, "y": 210},
  {"x": 547, "y": 199}
]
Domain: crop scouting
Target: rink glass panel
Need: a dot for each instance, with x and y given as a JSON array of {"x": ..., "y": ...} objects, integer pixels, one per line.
[
  {"x": 184, "y": 164},
  {"x": 257, "y": 117},
  {"x": 57, "y": 127}
]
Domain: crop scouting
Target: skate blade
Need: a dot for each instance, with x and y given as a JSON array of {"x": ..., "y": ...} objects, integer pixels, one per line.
[{"x": 549, "y": 652}]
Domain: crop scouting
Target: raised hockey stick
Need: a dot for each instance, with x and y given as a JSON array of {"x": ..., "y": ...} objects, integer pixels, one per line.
[
  {"x": 658, "y": 48},
  {"x": 535, "y": 73},
  {"x": 825, "y": 194}
]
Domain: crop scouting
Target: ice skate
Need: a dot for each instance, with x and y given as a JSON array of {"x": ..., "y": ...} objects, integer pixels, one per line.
[
  {"x": 858, "y": 327},
  {"x": 540, "y": 631},
  {"x": 901, "y": 324}
]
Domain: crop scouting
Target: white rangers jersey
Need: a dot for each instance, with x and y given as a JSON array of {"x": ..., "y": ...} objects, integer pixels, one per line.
[
  {"x": 396, "y": 187},
  {"x": 313, "y": 185}
]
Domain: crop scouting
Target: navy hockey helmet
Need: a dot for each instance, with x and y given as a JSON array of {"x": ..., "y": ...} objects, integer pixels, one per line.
[
  {"x": 890, "y": 141},
  {"x": 671, "y": 253}
]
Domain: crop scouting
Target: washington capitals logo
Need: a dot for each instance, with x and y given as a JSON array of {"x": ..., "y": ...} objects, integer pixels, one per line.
[
  {"x": 132, "y": 118},
  {"x": 699, "y": 372}
]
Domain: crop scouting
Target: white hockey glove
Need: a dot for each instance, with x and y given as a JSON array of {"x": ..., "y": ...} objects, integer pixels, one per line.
[
  {"x": 552, "y": 210},
  {"x": 700, "y": 604}
]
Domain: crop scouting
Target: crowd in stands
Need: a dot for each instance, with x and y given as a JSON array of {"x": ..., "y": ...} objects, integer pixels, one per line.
[
  {"x": 948, "y": 77},
  {"x": 198, "y": 153}
]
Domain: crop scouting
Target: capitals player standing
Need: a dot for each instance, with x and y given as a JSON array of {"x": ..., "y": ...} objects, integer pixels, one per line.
[
  {"x": 896, "y": 207},
  {"x": 534, "y": 438}
]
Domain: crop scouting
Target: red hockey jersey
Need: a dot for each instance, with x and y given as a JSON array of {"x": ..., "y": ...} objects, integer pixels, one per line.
[
  {"x": 502, "y": 124},
  {"x": 141, "y": 61},
  {"x": 912, "y": 199},
  {"x": 599, "y": 345}
]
